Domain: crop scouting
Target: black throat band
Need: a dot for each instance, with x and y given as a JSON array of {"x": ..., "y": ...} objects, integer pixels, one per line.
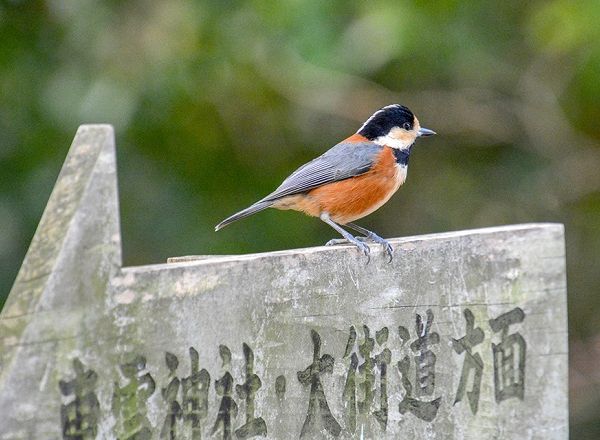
[{"x": 402, "y": 155}]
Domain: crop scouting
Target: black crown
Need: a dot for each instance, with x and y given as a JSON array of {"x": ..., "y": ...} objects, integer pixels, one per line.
[{"x": 383, "y": 120}]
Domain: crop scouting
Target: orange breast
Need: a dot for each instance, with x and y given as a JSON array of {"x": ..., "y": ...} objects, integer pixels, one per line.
[{"x": 353, "y": 198}]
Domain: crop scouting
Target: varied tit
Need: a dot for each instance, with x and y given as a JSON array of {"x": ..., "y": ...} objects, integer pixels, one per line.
[{"x": 352, "y": 179}]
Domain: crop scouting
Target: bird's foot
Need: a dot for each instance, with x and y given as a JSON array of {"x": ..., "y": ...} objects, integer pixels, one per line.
[
  {"x": 362, "y": 247},
  {"x": 389, "y": 250}
]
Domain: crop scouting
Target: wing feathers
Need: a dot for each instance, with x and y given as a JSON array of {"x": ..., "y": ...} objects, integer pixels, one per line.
[{"x": 341, "y": 162}]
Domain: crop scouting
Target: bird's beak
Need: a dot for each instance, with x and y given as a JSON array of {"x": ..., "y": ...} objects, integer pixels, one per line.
[{"x": 426, "y": 132}]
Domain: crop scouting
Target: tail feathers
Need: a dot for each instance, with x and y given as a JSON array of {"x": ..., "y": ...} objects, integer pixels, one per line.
[{"x": 258, "y": 206}]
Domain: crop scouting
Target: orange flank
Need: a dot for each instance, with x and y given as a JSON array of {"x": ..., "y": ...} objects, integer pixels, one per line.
[{"x": 353, "y": 198}]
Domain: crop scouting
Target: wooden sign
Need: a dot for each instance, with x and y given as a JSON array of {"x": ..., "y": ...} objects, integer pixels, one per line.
[{"x": 463, "y": 335}]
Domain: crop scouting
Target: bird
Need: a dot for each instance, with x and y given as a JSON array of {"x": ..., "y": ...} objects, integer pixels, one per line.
[{"x": 352, "y": 179}]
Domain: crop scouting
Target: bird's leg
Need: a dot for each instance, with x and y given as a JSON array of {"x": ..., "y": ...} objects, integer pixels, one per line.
[
  {"x": 359, "y": 244},
  {"x": 370, "y": 235}
]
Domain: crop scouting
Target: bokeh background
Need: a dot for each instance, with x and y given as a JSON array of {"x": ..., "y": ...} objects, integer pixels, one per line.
[{"x": 215, "y": 102}]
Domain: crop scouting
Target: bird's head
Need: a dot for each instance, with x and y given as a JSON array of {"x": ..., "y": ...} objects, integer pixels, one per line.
[{"x": 395, "y": 126}]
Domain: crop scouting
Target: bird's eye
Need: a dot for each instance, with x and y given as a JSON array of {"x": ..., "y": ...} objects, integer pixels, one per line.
[{"x": 407, "y": 126}]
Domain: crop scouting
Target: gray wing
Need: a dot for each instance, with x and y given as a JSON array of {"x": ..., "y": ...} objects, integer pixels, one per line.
[{"x": 344, "y": 160}]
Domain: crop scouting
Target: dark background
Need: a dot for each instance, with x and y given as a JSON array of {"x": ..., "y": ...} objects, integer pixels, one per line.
[{"x": 215, "y": 102}]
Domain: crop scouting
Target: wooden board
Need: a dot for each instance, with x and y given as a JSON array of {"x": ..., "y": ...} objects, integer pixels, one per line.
[{"x": 462, "y": 336}]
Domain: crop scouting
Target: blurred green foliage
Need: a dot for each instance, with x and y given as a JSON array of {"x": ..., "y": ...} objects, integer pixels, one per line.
[{"x": 215, "y": 102}]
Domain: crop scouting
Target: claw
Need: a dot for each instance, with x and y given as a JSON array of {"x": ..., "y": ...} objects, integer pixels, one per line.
[
  {"x": 387, "y": 247},
  {"x": 365, "y": 249},
  {"x": 390, "y": 251}
]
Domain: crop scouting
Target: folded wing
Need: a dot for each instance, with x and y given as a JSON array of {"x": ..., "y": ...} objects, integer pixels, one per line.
[{"x": 341, "y": 162}]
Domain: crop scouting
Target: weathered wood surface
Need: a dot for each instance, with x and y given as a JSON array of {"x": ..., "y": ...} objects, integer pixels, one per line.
[{"x": 94, "y": 350}]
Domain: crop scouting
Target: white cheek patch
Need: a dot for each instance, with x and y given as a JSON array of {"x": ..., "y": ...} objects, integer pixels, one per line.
[{"x": 394, "y": 142}]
